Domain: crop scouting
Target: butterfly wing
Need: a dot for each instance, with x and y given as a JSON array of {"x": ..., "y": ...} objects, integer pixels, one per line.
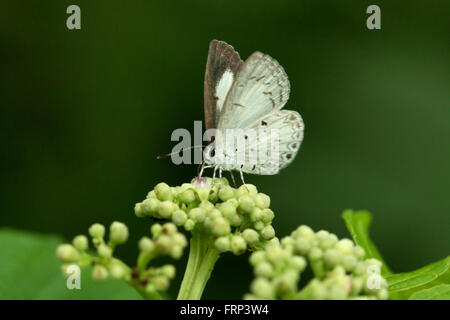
[
  {"x": 261, "y": 87},
  {"x": 221, "y": 68},
  {"x": 289, "y": 128}
]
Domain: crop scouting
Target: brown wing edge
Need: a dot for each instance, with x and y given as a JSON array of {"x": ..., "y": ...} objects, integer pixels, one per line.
[{"x": 221, "y": 56}]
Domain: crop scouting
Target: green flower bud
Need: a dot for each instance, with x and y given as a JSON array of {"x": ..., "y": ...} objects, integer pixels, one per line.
[
  {"x": 246, "y": 204},
  {"x": 225, "y": 193},
  {"x": 287, "y": 242},
  {"x": 169, "y": 228},
  {"x": 146, "y": 245},
  {"x": 168, "y": 271},
  {"x": 80, "y": 242},
  {"x": 150, "y": 206},
  {"x": 298, "y": 263},
  {"x": 227, "y": 209},
  {"x": 150, "y": 288},
  {"x": 99, "y": 273},
  {"x": 325, "y": 239},
  {"x": 264, "y": 269},
  {"x": 250, "y": 236},
  {"x": 259, "y": 225},
  {"x": 315, "y": 254},
  {"x": 156, "y": 229},
  {"x": 256, "y": 214},
  {"x": 214, "y": 214},
  {"x": 262, "y": 200},
  {"x": 236, "y": 220},
  {"x": 246, "y": 189},
  {"x": 151, "y": 194},
  {"x": 305, "y": 232},
  {"x": 206, "y": 206},
  {"x": 257, "y": 257},
  {"x": 262, "y": 288},
  {"x": 166, "y": 208},
  {"x": 268, "y": 232},
  {"x": 67, "y": 253},
  {"x": 197, "y": 214},
  {"x": 187, "y": 196},
  {"x": 138, "y": 210},
  {"x": 345, "y": 246},
  {"x": 176, "y": 252},
  {"x": 179, "y": 217},
  {"x": 222, "y": 244},
  {"x": 189, "y": 224},
  {"x": 179, "y": 239},
  {"x": 349, "y": 262},
  {"x": 286, "y": 283},
  {"x": 160, "y": 283},
  {"x": 275, "y": 254},
  {"x": 163, "y": 244},
  {"x": 267, "y": 215},
  {"x": 360, "y": 269},
  {"x": 163, "y": 192},
  {"x": 220, "y": 227},
  {"x": 118, "y": 233},
  {"x": 117, "y": 271},
  {"x": 337, "y": 293},
  {"x": 318, "y": 290},
  {"x": 233, "y": 201},
  {"x": 302, "y": 245},
  {"x": 332, "y": 257},
  {"x": 359, "y": 252},
  {"x": 97, "y": 230},
  {"x": 238, "y": 245},
  {"x": 357, "y": 285},
  {"x": 104, "y": 251}
]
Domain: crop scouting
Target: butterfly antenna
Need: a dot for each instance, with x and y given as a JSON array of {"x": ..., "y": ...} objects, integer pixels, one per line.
[{"x": 162, "y": 156}]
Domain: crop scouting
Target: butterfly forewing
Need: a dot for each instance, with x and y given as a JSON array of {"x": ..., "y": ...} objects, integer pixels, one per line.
[
  {"x": 221, "y": 68},
  {"x": 261, "y": 87}
]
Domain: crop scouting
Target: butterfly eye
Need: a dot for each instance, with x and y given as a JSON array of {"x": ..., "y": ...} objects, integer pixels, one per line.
[{"x": 212, "y": 153}]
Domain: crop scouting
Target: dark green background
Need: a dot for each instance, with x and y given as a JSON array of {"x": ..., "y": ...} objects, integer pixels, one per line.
[{"x": 85, "y": 112}]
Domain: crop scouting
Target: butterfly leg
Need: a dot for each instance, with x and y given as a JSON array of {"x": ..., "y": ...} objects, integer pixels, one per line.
[
  {"x": 201, "y": 170},
  {"x": 220, "y": 172},
  {"x": 242, "y": 178},
  {"x": 214, "y": 172},
  {"x": 232, "y": 178}
]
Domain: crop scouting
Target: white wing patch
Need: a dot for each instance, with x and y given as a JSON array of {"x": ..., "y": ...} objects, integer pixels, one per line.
[
  {"x": 222, "y": 89},
  {"x": 290, "y": 127},
  {"x": 261, "y": 87}
]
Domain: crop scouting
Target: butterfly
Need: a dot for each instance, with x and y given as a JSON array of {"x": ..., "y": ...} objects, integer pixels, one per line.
[{"x": 249, "y": 97}]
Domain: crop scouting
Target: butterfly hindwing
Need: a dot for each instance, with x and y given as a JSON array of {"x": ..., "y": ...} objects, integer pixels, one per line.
[
  {"x": 261, "y": 87},
  {"x": 221, "y": 68},
  {"x": 289, "y": 127}
]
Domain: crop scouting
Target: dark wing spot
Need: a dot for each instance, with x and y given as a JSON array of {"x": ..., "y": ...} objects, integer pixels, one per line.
[
  {"x": 288, "y": 156},
  {"x": 263, "y": 123}
]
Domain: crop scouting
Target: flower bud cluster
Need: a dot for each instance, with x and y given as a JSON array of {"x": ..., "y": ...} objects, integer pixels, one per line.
[
  {"x": 165, "y": 240},
  {"x": 236, "y": 218},
  {"x": 339, "y": 267}
]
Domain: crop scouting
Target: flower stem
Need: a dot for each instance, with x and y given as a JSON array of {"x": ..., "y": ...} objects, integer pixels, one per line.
[{"x": 202, "y": 258}]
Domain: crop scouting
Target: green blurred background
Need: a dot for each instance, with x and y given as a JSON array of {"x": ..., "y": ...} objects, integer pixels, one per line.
[{"x": 85, "y": 112}]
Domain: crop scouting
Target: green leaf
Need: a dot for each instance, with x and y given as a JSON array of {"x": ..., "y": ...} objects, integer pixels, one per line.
[
  {"x": 29, "y": 269},
  {"x": 358, "y": 224},
  {"x": 440, "y": 292},
  {"x": 403, "y": 285}
]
